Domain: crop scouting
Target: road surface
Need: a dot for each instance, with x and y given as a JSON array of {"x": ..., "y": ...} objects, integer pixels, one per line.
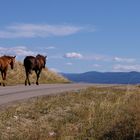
[{"x": 15, "y": 93}]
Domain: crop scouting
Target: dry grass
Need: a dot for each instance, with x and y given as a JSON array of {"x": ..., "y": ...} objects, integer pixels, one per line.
[
  {"x": 97, "y": 113},
  {"x": 17, "y": 76}
]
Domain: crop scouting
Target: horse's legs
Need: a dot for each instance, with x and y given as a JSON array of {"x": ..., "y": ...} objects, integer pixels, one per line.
[
  {"x": 37, "y": 74},
  {"x": 4, "y": 77},
  {"x": 27, "y": 78}
]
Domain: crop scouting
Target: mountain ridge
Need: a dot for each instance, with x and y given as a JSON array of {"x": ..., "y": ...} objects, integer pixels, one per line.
[{"x": 132, "y": 77}]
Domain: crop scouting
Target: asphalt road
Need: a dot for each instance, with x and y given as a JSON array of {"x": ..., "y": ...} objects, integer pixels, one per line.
[{"x": 10, "y": 94}]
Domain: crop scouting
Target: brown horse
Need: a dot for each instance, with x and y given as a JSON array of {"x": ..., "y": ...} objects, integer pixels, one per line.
[
  {"x": 36, "y": 64},
  {"x": 5, "y": 61}
]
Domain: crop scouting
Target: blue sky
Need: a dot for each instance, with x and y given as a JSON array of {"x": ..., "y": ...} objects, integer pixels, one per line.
[{"x": 76, "y": 35}]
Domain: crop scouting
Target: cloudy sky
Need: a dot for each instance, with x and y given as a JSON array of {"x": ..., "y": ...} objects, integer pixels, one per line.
[{"x": 76, "y": 35}]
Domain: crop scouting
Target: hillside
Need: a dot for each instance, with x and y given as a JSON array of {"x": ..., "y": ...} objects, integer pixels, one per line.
[
  {"x": 105, "y": 77},
  {"x": 97, "y": 113},
  {"x": 17, "y": 76}
]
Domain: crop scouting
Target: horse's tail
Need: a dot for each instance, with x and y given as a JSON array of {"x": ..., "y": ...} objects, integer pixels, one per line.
[{"x": 28, "y": 65}]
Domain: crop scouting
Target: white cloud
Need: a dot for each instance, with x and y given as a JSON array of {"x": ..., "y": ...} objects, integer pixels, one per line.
[
  {"x": 50, "y": 48},
  {"x": 38, "y": 30},
  {"x": 19, "y": 51},
  {"x": 54, "y": 70},
  {"x": 96, "y": 65},
  {"x": 73, "y": 55},
  {"x": 97, "y": 57},
  {"x": 69, "y": 63},
  {"x": 124, "y": 68},
  {"x": 127, "y": 60},
  {"x": 102, "y": 57}
]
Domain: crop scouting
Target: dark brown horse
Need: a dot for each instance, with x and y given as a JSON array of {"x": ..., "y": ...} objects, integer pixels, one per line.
[
  {"x": 36, "y": 64},
  {"x": 5, "y": 61}
]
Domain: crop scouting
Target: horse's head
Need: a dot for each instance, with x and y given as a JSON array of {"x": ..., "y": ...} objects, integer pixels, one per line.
[
  {"x": 12, "y": 61},
  {"x": 43, "y": 59}
]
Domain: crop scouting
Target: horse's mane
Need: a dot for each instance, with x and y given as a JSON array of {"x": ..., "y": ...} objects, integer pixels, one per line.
[
  {"x": 39, "y": 55},
  {"x": 5, "y": 56},
  {"x": 8, "y": 56}
]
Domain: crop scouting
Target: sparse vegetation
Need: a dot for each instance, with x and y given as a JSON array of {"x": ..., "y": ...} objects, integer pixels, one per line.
[
  {"x": 97, "y": 113},
  {"x": 17, "y": 76}
]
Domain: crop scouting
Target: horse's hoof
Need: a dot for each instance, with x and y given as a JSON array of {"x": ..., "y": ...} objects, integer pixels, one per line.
[
  {"x": 25, "y": 83},
  {"x": 37, "y": 83}
]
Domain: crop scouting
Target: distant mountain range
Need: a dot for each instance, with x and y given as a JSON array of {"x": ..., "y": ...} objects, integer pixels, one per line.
[{"x": 104, "y": 77}]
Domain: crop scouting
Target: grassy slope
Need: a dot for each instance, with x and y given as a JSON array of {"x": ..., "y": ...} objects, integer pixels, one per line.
[
  {"x": 17, "y": 76},
  {"x": 97, "y": 113}
]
